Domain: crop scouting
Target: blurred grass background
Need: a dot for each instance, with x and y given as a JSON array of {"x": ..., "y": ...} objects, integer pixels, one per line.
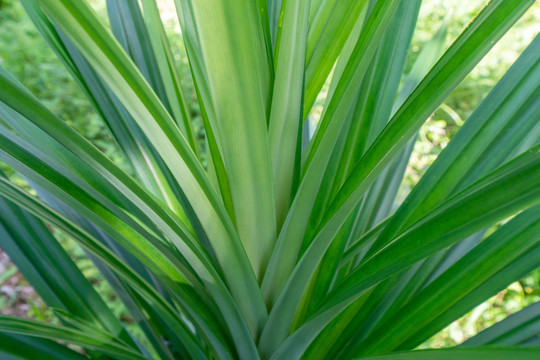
[{"x": 25, "y": 55}]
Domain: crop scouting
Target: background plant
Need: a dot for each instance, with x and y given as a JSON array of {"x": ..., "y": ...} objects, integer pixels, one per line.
[{"x": 188, "y": 233}]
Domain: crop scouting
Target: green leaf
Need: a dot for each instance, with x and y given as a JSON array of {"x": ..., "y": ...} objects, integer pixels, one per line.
[
  {"x": 446, "y": 74},
  {"x": 167, "y": 71},
  {"x": 511, "y": 273},
  {"x": 50, "y": 270},
  {"x": 289, "y": 241},
  {"x": 142, "y": 311},
  {"x": 276, "y": 241},
  {"x": 470, "y": 47},
  {"x": 111, "y": 62},
  {"x": 516, "y": 329},
  {"x": 379, "y": 199},
  {"x": 285, "y": 254},
  {"x": 473, "y": 152},
  {"x": 17, "y": 347},
  {"x": 218, "y": 172},
  {"x": 497, "y": 253},
  {"x": 328, "y": 33},
  {"x": 505, "y": 118},
  {"x": 286, "y": 111},
  {"x": 237, "y": 67},
  {"x": 164, "y": 308},
  {"x": 274, "y": 11},
  {"x": 98, "y": 341},
  {"x": 502, "y": 193},
  {"x": 370, "y": 115},
  {"x": 487, "y": 353},
  {"x": 507, "y": 195},
  {"x": 147, "y": 165}
]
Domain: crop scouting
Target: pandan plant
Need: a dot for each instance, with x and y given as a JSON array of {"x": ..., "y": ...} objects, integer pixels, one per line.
[{"x": 278, "y": 236}]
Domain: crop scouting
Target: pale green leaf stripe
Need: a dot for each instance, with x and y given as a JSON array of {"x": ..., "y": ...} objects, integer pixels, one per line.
[
  {"x": 215, "y": 160},
  {"x": 264, "y": 19},
  {"x": 286, "y": 110},
  {"x": 481, "y": 353},
  {"x": 274, "y": 11},
  {"x": 218, "y": 175},
  {"x": 81, "y": 25},
  {"x": 314, "y": 8},
  {"x": 320, "y": 11},
  {"x": 192, "y": 42},
  {"x": 235, "y": 57},
  {"x": 217, "y": 171},
  {"x": 128, "y": 26},
  {"x": 102, "y": 341},
  {"x": 470, "y": 47}
]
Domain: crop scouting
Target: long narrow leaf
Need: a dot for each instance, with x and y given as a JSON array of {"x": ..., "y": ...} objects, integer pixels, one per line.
[
  {"x": 487, "y": 353},
  {"x": 514, "y": 330},
  {"x": 103, "y": 342},
  {"x": 472, "y": 45},
  {"x": 100, "y": 49}
]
